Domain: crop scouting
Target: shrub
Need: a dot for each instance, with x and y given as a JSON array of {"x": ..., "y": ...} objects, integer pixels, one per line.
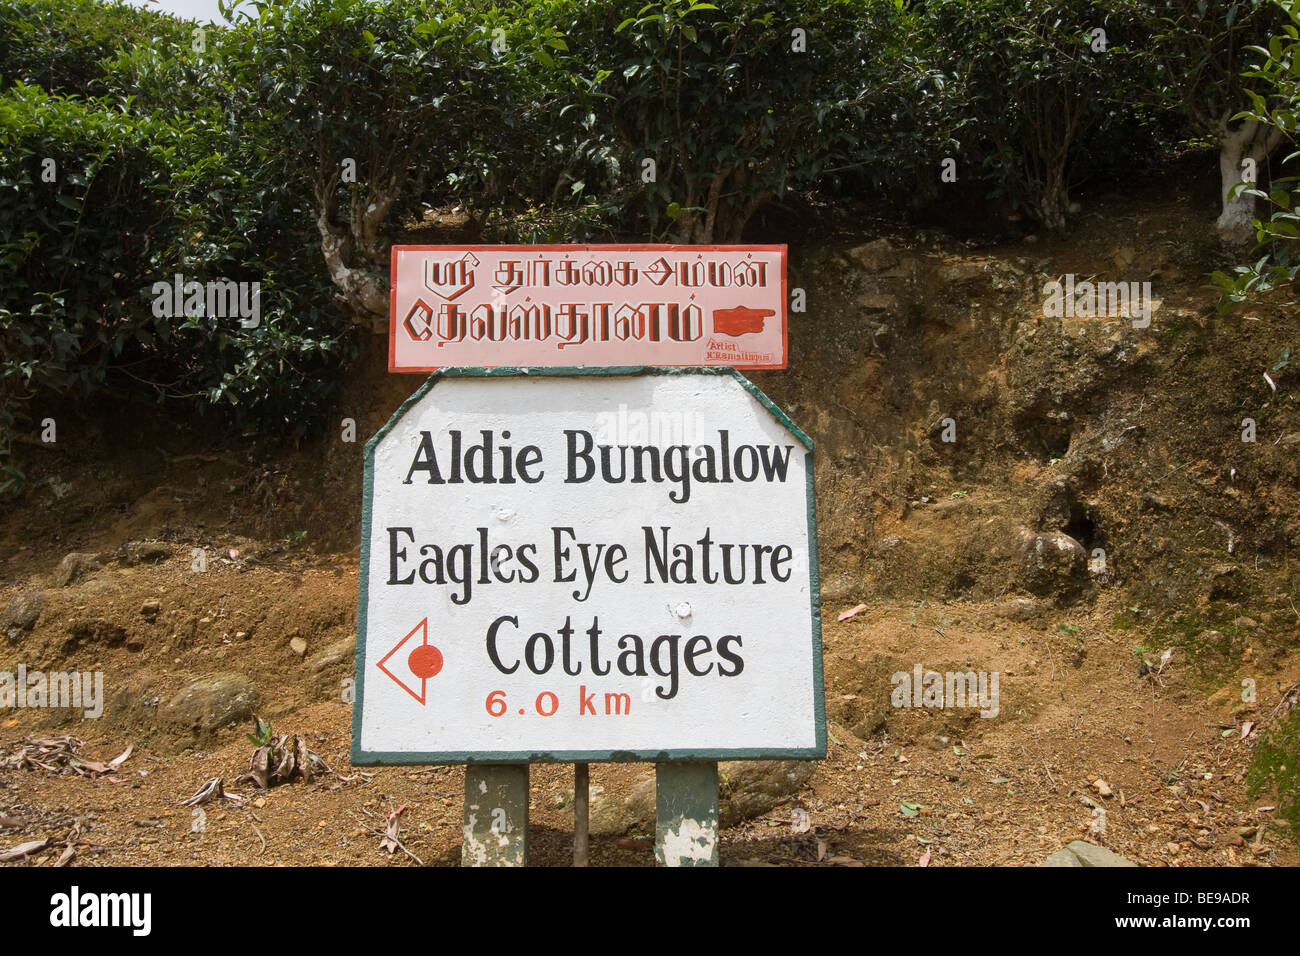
[
  {"x": 96, "y": 205},
  {"x": 733, "y": 104},
  {"x": 58, "y": 45},
  {"x": 1036, "y": 83}
]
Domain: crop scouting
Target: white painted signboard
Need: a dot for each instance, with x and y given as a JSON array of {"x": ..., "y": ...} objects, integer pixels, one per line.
[{"x": 570, "y": 565}]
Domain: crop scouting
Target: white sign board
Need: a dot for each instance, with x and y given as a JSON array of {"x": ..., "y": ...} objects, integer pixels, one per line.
[{"x": 582, "y": 565}]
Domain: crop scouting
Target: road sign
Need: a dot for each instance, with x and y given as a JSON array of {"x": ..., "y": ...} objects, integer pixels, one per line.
[
  {"x": 569, "y": 305},
  {"x": 571, "y": 565}
]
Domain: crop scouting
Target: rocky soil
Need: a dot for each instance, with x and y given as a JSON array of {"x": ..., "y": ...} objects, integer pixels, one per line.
[{"x": 1066, "y": 503}]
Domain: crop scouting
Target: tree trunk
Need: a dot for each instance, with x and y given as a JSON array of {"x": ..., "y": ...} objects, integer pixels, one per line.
[
  {"x": 1054, "y": 201},
  {"x": 1250, "y": 140},
  {"x": 363, "y": 291}
]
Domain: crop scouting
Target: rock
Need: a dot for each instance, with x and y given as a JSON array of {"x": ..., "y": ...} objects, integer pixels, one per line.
[
  {"x": 101, "y": 586},
  {"x": 1087, "y": 854},
  {"x": 881, "y": 334},
  {"x": 209, "y": 703},
  {"x": 960, "y": 272},
  {"x": 1056, "y": 504},
  {"x": 1051, "y": 562},
  {"x": 755, "y": 786},
  {"x": 22, "y": 612},
  {"x": 875, "y": 256},
  {"x": 95, "y": 631},
  {"x": 74, "y": 567},
  {"x": 150, "y": 609},
  {"x": 332, "y": 654},
  {"x": 1021, "y": 609},
  {"x": 1216, "y": 640},
  {"x": 145, "y": 552},
  {"x": 298, "y": 645},
  {"x": 616, "y": 814},
  {"x": 887, "y": 544},
  {"x": 1062, "y": 858},
  {"x": 1225, "y": 582},
  {"x": 879, "y": 302}
]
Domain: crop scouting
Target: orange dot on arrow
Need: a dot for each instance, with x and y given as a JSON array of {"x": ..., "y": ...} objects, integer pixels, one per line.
[{"x": 425, "y": 661}]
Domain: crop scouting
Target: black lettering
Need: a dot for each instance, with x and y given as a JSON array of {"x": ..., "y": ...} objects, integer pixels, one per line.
[
  {"x": 781, "y": 554},
  {"x": 671, "y": 673},
  {"x": 531, "y": 658},
  {"x": 435, "y": 561},
  {"x": 492, "y": 644},
  {"x": 461, "y": 556},
  {"x": 654, "y": 553},
  {"x": 734, "y": 658},
  {"x": 593, "y": 633},
  {"x": 562, "y": 555},
  {"x": 522, "y": 556},
  {"x": 426, "y": 459},
  {"x": 394, "y": 554},
  {"x": 566, "y": 635},
  {"x": 777, "y": 464},
  {"x": 692, "y": 651},
  {"x": 574, "y": 454},
  {"x": 635, "y": 652},
  {"x": 529, "y": 455}
]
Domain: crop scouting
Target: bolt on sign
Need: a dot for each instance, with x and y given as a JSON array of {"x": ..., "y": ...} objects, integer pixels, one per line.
[
  {"x": 578, "y": 565},
  {"x": 572, "y": 305}
]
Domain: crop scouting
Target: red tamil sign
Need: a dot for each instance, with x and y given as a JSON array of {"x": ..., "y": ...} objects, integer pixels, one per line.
[{"x": 571, "y": 305}]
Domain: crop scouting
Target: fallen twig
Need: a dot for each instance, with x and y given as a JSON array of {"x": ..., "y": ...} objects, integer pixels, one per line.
[
  {"x": 23, "y": 850},
  {"x": 212, "y": 790},
  {"x": 386, "y": 836}
]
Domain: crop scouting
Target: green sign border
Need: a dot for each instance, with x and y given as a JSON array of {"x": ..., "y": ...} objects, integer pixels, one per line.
[{"x": 367, "y": 758}]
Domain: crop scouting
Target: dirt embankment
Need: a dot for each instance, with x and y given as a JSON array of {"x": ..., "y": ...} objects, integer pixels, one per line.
[{"x": 1055, "y": 501}]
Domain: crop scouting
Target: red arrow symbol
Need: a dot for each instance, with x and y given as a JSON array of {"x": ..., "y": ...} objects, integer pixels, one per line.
[{"x": 423, "y": 662}]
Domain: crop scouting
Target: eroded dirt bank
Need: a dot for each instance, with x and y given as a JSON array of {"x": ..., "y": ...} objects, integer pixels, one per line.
[{"x": 1072, "y": 437}]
